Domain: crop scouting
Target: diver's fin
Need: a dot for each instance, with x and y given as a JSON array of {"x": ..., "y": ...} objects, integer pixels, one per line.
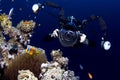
[{"x": 52, "y": 4}]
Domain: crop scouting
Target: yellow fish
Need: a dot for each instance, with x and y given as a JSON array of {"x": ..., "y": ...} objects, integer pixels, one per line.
[{"x": 30, "y": 50}]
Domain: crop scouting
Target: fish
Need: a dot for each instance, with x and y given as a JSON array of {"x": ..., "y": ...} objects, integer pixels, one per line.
[
  {"x": 81, "y": 67},
  {"x": 30, "y": 50},
  {"x": 10, "y": 13},
  {"x": 90, "y": 76}
]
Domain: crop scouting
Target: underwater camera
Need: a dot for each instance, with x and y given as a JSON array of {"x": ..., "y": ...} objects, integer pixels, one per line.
[{"x": 68, "y": 38}]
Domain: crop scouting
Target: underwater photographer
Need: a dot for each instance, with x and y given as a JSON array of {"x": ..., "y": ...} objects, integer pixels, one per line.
[{"x": 70, "y": 31}]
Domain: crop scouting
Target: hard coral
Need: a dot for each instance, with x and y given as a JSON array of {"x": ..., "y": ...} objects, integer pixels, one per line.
[
  {"x": 26, "y": 26},
  {"x": 26, "y": 75}
]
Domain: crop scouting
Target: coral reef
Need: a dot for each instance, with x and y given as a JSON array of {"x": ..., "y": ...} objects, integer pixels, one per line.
[
  {"x": 56, "y": 69},
  {"x": 25, "y": 62},
  {"x": 26, "y": 26},
  {"x": 17, "y": 41},
  {"x": 5, "y": 21},
  {"x": 21, "y": 61},
  {"x": 26, "y": 75}
]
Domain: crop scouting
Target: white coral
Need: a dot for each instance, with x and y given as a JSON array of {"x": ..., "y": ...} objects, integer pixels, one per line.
[
  {"x": 53, "y": 74},
  {"x": 26, "y": 75},
  {"x": 69, "y": 75}
]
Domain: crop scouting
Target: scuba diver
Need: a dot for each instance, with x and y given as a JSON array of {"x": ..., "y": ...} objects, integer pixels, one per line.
[{"x": 70, "y": 33}]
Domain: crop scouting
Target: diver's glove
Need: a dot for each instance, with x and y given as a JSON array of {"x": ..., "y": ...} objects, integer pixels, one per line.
[
  {"x": 55, "y": 33},
  {"x": 52, "y": 36}
]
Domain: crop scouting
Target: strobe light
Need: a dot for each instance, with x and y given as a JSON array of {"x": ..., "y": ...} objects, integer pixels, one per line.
[{"x": 106, "y": 45}]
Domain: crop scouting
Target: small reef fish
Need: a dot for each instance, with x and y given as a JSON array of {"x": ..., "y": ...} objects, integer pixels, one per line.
[
  {"x": 10, "y": 13},
  {"x": 30, "y": 50},
  {"x": 90, "y": 76}
]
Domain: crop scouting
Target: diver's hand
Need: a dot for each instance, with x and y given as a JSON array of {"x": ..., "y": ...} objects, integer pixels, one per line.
[
  {"x": 82, "y": 38},
  {"x": 55, "y": 33}
]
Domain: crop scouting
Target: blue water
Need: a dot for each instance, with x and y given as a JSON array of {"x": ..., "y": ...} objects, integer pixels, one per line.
[{"x": 102, "y": 64}]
